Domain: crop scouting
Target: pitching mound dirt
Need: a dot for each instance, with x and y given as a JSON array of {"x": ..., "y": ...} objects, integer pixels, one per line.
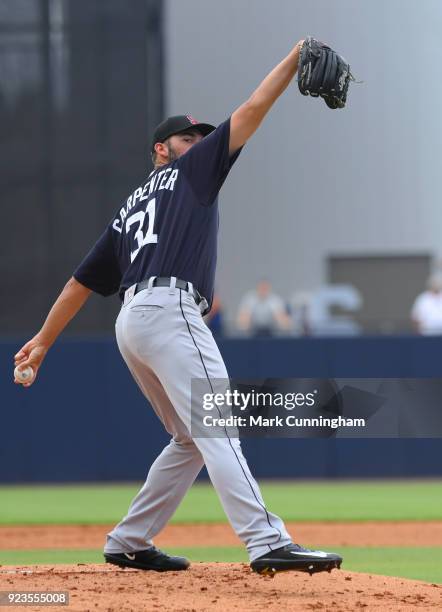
[{"x": 219, "y": 586}]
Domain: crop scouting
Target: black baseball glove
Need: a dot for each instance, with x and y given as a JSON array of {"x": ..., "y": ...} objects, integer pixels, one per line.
[{"x": 322, "y": 72}]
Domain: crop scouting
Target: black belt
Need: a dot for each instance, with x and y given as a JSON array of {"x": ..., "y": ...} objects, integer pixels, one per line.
[{"x": 164, "y": 281}]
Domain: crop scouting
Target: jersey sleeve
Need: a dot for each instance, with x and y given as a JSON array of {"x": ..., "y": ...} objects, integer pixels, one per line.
[
  {"x": 277, "y": 304},
  {"x": 418, "y": 306},
  {"x": 99, "y": 270},
  {"x": 247, "y": 302},
  {"x": 207, "y": 164}
]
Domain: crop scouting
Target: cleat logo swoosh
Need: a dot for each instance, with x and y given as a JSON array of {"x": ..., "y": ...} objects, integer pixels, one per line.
[
  {"x": 317, "y": 553},
  {"x": 130, "y": 557}
]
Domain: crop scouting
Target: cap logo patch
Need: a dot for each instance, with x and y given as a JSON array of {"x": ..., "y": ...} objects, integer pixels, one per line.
[{"x": 192, "y": 120}]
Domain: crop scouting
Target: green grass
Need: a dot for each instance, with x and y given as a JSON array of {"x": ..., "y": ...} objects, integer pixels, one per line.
[
  {"x": 414, "y": 563},
  {"x": 294, "y": 501},
  {"x": 50, "y": 557},
  {"x": 407, "y": 562}
]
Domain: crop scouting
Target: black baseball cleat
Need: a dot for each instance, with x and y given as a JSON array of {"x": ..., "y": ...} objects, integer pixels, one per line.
[
  {"x": 150, "y": 559},
  {"x": 297, "y": 558}
]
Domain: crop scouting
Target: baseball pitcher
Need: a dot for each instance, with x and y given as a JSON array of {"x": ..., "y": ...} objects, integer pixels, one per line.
[{"x": 159, "y": 254}]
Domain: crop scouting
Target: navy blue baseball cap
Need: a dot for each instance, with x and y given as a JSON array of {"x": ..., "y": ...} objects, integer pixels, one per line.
[{"x": 175, "y": 125}]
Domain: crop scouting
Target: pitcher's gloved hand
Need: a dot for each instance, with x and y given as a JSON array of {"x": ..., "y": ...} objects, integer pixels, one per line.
[{"x": 322, "y": 72}]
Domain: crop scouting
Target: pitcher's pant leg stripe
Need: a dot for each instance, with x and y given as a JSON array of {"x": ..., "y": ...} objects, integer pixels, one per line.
[{"x": 225, "y": 429}]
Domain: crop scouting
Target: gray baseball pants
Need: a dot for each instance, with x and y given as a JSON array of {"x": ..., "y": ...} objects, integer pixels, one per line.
[{"x": 165, "y": 344}]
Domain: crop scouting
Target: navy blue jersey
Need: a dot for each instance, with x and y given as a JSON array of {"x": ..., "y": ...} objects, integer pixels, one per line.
[{"x": 168, "y": 226}]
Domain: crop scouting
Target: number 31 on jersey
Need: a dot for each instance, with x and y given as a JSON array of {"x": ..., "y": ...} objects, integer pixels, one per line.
[{"x": 140, "y": 237}]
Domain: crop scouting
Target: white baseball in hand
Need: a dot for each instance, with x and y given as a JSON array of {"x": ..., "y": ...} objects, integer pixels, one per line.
[{"x": 24, "y": 375}]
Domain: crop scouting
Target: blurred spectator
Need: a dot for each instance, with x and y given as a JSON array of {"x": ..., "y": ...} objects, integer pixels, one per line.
[
  {"x": 263, "y": 313},
  {"x": 427, "y": 308},
  {"x": 215, "y": 319}
]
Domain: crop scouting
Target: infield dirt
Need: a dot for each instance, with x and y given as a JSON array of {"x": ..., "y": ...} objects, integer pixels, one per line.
[{"x": 412, "y": 533}]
